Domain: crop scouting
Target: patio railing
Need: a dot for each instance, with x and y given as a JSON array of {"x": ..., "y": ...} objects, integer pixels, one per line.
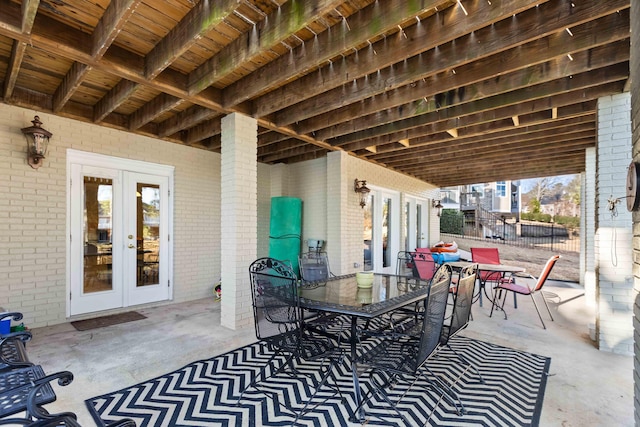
[{"x": 480, "y": 226}]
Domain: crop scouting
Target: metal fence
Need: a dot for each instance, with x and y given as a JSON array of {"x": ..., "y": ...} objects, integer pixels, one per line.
[{"x": 552, "y": 237}]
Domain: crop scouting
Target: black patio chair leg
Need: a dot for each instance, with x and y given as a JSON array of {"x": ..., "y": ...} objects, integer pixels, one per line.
[
  {"x": 329, "y": 373},
  {"x": 446, "y": 391},
  {"x": 466, "y": 363},
  {"x": 378, "y": 390},
  {"x": 493, "y": 302},
  {"x": 263, "y": 370}
]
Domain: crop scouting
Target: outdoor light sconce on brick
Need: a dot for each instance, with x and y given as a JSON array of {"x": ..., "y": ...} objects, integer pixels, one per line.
[{"x": 37, "y": 142}]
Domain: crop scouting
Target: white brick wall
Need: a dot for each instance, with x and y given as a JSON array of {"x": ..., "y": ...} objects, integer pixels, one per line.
[
  {"x": 330, "y": 206},
  {"x": 33, "y": 212},
  {"x": 613, "y": 237}
]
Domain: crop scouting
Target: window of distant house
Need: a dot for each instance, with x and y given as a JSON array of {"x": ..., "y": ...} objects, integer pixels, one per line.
[
  {"x": 477, "y": 190},
  {"x": 501, "y": 189}
]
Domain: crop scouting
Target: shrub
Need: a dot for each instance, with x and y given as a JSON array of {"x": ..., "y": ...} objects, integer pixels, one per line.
[{"x": 451, "y": 221}]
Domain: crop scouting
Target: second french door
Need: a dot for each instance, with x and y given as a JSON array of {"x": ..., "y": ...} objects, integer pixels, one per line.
[
  {"x": 119, "y": 248},
  {"x": 382, "y": 231},
  {"x": 417, "y": 224}
]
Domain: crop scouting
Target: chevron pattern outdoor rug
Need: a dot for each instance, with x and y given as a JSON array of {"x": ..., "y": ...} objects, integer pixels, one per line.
[{"x": 205, "y": 393}]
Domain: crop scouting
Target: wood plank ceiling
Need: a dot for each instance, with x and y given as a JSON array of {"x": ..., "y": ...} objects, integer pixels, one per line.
[{"x": 450, "y": 92}]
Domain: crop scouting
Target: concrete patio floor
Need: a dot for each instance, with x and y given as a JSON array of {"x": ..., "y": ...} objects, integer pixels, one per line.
[{"x": 586, "y": 387}]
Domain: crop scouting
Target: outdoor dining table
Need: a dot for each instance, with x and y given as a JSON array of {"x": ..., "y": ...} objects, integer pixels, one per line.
[
  {"x": 488, "y": 268},
  {"x": 341, "y": 295}
]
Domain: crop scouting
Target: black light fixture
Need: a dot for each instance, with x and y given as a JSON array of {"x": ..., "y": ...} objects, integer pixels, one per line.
[
  {"x": 37, "y": 142},
  {"x": 437, "y": 206},
  {"x": 360, "y": 187}
]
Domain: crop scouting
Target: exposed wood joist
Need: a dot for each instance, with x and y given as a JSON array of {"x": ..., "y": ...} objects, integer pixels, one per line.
[{"x": 396, "y": 83}]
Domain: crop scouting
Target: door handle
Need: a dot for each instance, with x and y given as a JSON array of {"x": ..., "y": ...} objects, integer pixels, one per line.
[{"x": 131, "y": 246}]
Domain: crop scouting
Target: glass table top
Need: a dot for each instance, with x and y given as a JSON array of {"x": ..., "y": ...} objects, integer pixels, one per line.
[{"x": 342, "y": 295}]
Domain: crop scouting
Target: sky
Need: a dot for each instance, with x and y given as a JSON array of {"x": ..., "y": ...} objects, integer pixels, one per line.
[{"x": 527, "y": 184}]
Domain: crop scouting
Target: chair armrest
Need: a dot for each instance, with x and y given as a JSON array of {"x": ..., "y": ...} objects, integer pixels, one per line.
[
  {"x": 14, "y": 315},
  {"x": 36, "y": 410},
  {"x": 12, "y": 350},
  {"x": 522, "y": 275}
]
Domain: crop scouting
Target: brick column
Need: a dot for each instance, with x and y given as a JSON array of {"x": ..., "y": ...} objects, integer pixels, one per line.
[
  {"x": 338, "y": 187},
  {"x": 613, "y": 238},
  {"x": 238, "y": 246},
  {"x": 635, "y": 114},
  {"x": 587, "y": 237}
]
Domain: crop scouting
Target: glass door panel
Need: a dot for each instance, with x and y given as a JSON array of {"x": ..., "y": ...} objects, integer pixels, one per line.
[
  {"x": 148, "y": 232},
  {"x": 417, "y": 224},
  {"x": 368, "y": 233},
  {"x": 95, "y": 273},
  {"x": 146, "y": 239},
  {"x": 381, "y": 231},
  {"x": 97, "y": 232}
]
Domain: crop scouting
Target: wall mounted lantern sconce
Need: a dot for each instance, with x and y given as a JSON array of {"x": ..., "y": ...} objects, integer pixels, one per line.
[
  {"x": 437, "y": 206},
  {"x": 360, "y": 187},
  {"x": 37, "y": 142}
]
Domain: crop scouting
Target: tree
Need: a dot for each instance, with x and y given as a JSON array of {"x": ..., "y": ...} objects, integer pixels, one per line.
[
  {"x": 573, "y": 190},
  {"x": 541, "y": 188}
]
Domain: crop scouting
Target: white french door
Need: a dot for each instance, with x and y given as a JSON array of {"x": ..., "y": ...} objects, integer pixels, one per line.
[
  {"x": 382, "y": 231},
  {"x": 119, "y": 251},
  {"x": 417, "y": 224}
]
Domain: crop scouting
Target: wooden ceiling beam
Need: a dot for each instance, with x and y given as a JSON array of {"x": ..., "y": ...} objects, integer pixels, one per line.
[
  {"x": 531, "y": 149},
  {"x": 29, "y": 11},
  {"x": 186, "y": 119},
  {"x": 284, "y": 22},
  {"x": 203, "y": 130},
  {"x": 113, "y": 99},
  {"x": 299, "y": 150},
  {"x": 376, "y": 19},
  {"x": 111, "y": 23},
  {"x": 201, "y": 19},
  {"x": 109, "y": 26},
  {"x": 280, "y": 147},
  {"x": 70, "y": 84},
  {"x": 433, "y": 31},
  {"x": 564, "y": 91},
  {"x": 312, "y": 153},
  {"x": 440, "y": 152},
  {"x": 514, "y": 64},
  {"x": 574, "y": 165},
  {"x": 153, "y": 109},
  {"x": 271, "y": 138},
  {"x": 501, "y": 54},
  {"x": 496, "y": 166},
  {"x": 482, "y": 132}
]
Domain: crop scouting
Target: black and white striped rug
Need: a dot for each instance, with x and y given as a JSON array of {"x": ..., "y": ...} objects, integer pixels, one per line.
[{"x": 205, "y": 393}]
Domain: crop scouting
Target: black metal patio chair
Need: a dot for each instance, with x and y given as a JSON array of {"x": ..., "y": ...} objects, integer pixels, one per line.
[
  {"x": 12, "y": 345},
  {"x": 460, "y": 315},
  {"x": 399, "y": 355},
  {"x": 280, "y": 328}
]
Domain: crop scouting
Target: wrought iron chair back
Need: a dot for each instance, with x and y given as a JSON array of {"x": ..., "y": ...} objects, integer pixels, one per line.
[
  {"x": 314, "y": 266},
  {"x": 404, "y": 265},
  {"x": 434, "y": 315},
  {"x": 279, "y": 324},
  {"x": 275, "y": 303},
  {"x": 462, "y": 302}
]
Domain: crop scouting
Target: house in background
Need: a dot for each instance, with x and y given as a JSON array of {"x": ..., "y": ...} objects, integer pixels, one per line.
[{"x": 486, "y": 206}]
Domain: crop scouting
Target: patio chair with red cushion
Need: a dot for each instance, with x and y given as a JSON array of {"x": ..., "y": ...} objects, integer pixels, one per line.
[
  {"x": 424, "y": 266},
  {"x": 488, "y": 256},
  {"x": 518, "y": 285}
]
